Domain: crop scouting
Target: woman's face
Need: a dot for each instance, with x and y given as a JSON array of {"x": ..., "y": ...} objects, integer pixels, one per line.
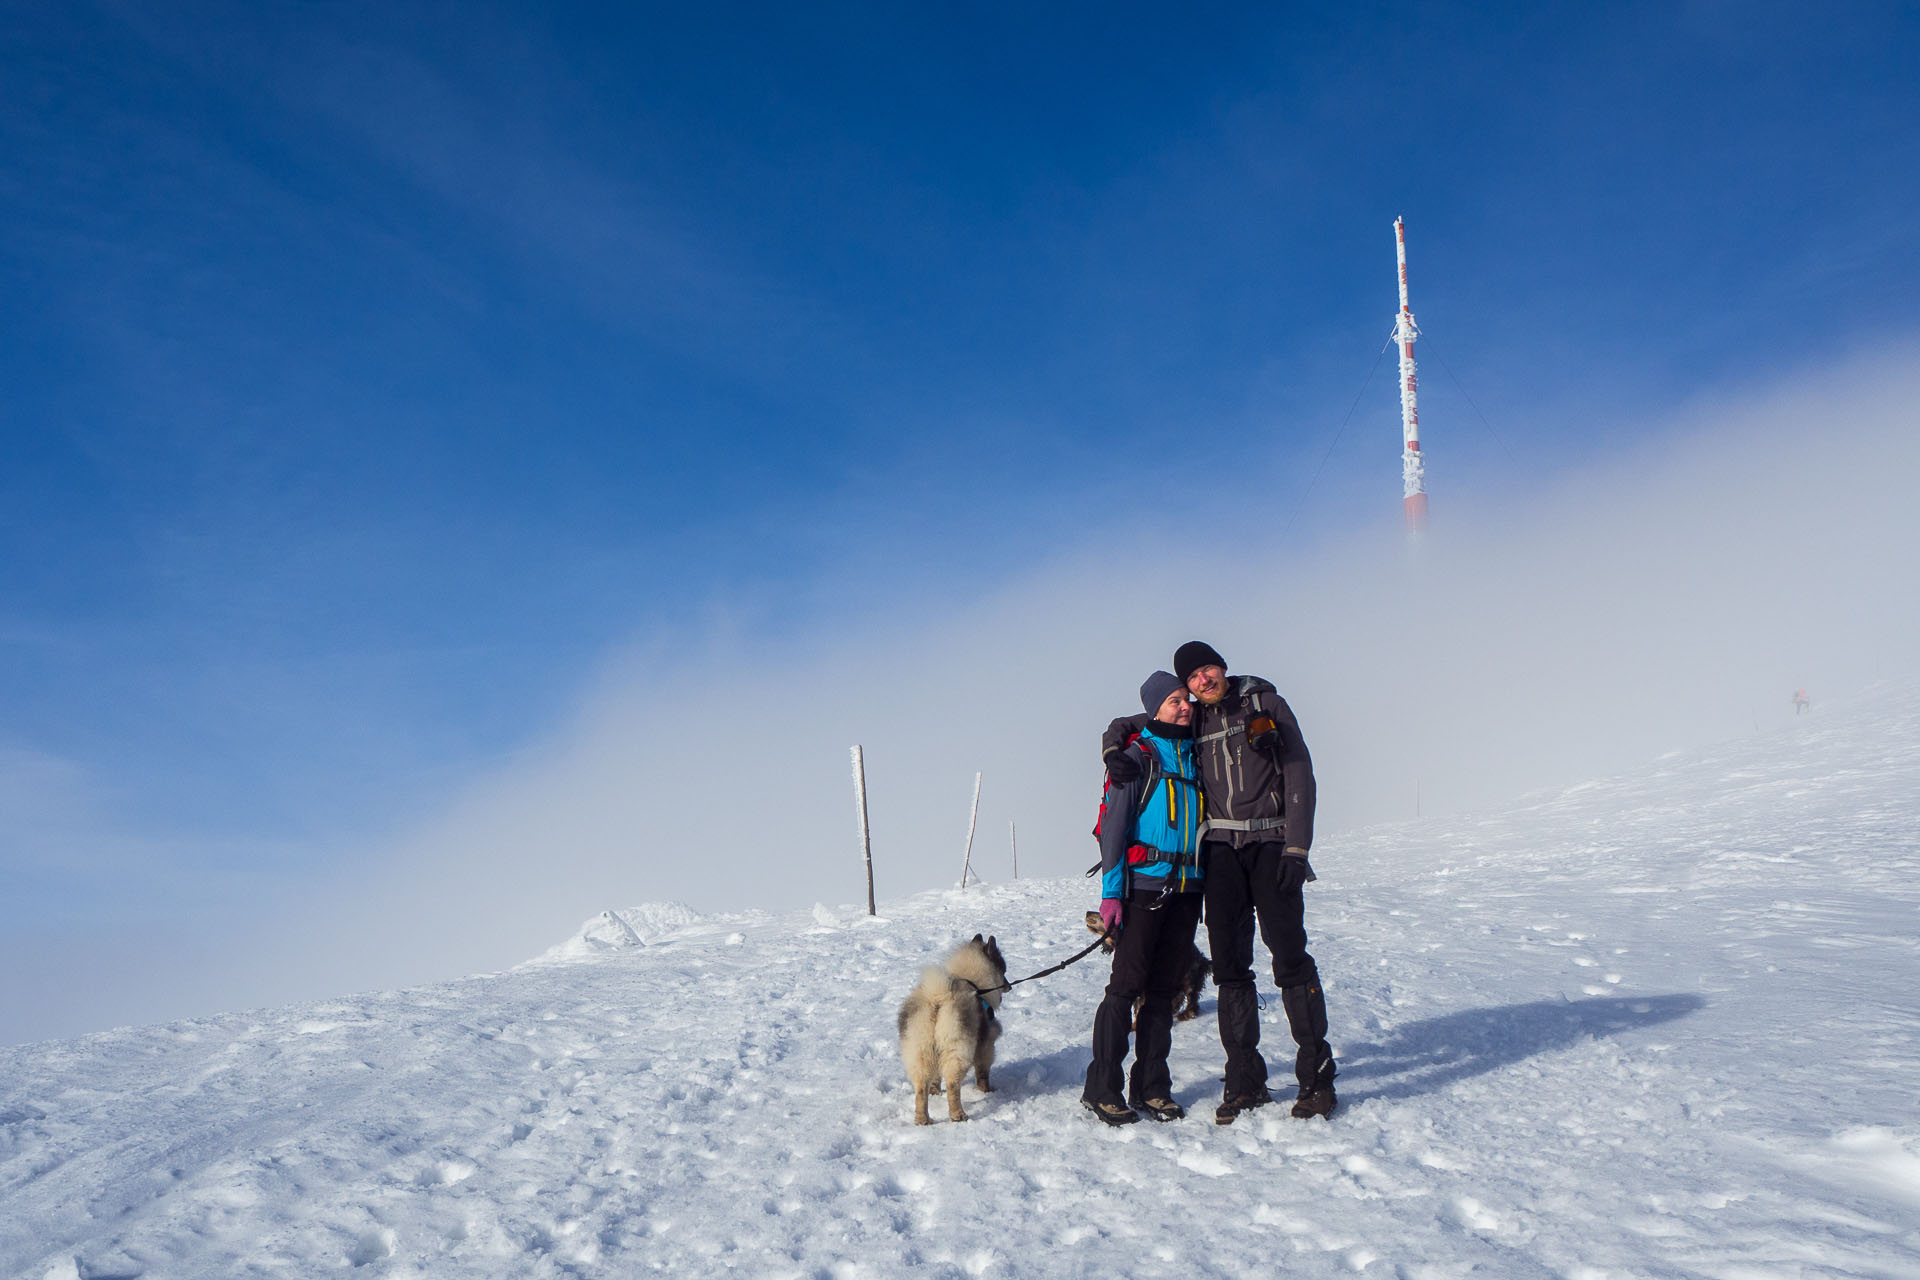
[{"x": 1175, "y": 710}]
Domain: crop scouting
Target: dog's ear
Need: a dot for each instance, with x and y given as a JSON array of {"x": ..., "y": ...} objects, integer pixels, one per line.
[{"x": 978, "y": 938}]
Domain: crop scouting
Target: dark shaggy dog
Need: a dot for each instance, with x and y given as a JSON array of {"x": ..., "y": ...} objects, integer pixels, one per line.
[{"x": 1199, "y": 969}]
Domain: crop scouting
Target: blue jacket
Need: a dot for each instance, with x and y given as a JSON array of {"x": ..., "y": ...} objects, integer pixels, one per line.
[{"x": 1150, "y": 834}]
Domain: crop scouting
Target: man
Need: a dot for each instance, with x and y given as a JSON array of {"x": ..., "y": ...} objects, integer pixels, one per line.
[
  {"x": 1149, "y": 903},
  {"x": 1258, "y": 780}
]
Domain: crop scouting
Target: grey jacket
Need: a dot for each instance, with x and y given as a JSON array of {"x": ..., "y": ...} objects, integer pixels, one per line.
[{"x": 1245, "y": 785}]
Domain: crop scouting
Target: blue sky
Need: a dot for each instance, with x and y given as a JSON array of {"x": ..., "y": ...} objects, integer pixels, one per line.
[{"x": 375, "y": 372}]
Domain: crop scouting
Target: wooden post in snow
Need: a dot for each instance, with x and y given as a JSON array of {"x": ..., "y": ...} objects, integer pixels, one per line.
[
  {"x": 966, "y": 864},
  {"x": 860, "y": 800}
]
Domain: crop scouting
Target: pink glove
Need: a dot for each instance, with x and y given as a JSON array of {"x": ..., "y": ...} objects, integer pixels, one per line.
[{"x": 1112, "y": 911}]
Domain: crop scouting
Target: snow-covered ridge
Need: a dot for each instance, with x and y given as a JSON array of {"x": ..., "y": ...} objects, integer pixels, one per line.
[{"x": 1662, "y": 1024}]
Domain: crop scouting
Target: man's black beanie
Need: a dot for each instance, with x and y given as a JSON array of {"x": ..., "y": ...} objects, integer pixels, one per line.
[
  {"x": 1159, "y": 686},
  {"x": 1193, "y": 655}
]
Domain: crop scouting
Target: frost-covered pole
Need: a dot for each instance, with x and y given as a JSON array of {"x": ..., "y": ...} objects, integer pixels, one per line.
[
  {"x": 860, "y": 799},
  {"x": 1413, "y": 466},
  {"x": 966, "y": 863},
  {"x": 1013, "y": 843}
]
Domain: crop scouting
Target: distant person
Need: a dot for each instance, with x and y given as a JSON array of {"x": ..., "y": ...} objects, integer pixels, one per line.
[
  {"x": 1258, "y": 781},
  {"x": 1150, "y": 898},
  {"x": 1800, "y": 701}
]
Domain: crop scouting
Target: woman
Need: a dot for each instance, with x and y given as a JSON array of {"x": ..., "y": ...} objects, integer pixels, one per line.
[{"x": 1150, "y": 902}]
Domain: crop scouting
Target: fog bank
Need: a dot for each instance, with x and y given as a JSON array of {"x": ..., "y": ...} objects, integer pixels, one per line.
[{"x": 1675, "y": 598}]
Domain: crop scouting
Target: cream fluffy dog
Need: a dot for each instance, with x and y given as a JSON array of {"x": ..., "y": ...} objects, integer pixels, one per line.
[{"x": 948, "y": 1024}]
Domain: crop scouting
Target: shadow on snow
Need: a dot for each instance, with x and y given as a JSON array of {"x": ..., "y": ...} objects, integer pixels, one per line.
[{"x": 1433, "y": 1053}]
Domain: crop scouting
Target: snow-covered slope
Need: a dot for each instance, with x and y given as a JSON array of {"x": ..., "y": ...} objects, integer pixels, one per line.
[{"x": 1663, "y": 1024}]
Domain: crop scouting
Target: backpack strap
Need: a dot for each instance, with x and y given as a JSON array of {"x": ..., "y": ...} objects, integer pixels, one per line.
[
  {"x": 1153, "y": 772},
  {"x": 1241, "y": 824}
]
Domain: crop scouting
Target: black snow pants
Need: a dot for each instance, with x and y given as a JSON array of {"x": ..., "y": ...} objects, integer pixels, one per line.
[
  {"x": 1150, "y": 959},
  {"x": 1242, "y": 884}
]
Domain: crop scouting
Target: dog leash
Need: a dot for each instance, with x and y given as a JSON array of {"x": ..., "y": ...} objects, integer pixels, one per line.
[{"x": 1078, "y": 955}]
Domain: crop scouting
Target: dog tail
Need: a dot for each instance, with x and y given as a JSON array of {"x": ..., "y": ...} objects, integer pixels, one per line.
[
  {"x": 934, "y": 983},
  {"x": 919, "y": 1026}
]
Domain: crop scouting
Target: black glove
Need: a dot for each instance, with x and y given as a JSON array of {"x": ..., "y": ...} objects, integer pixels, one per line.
[
  {"x": 1122, "y": 769},
  {"x": 1263, "y": 734},
  {"x": 1293, "y": 871}
]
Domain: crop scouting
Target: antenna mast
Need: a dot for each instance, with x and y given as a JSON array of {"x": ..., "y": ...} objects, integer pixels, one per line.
[{"x": 1413, "y": 466}]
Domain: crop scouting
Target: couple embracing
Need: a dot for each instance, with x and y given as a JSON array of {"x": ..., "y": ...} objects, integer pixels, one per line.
[{"x": 1209, "y": 800}]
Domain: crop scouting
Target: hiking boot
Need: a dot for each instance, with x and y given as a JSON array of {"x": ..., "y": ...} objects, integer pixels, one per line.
[
  {"x": 1111, "y": 1112},
  {"x": 1316, "y": 1101},
  {"x": 1162, "y": 1108},
  {"x": 1234, "y": 1103}
]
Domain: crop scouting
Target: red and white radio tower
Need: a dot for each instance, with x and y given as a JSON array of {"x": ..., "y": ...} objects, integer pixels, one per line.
[{"x": 1413, "y": 467}]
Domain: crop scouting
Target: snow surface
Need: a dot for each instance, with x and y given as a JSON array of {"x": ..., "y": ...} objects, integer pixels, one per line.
[{"x": 1658, "y": 1025}]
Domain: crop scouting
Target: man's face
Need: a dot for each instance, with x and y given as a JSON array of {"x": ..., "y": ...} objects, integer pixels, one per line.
[
  {"x": 1175, "y": 710},
  {"x": 1208, "y": 684}
]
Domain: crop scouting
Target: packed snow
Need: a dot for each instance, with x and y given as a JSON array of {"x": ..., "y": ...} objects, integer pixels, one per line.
[{"x": 1662, "y": 1024}]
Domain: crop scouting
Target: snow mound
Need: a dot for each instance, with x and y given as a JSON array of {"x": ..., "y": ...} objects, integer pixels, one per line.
[{"x": 622, "y": 930}]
